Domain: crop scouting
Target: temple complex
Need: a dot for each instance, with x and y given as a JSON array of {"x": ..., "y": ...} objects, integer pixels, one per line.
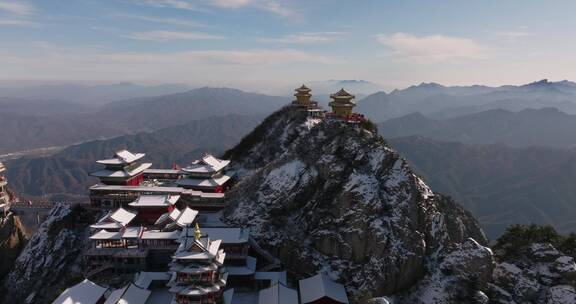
[
  {"x": 150, "y": 225},
  {"x": 201, "y": 185}
]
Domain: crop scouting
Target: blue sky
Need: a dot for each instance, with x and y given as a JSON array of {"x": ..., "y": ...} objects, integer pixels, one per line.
[{"x": 265, "y": 45}]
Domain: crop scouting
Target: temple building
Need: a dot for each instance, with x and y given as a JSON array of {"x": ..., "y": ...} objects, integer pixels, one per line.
[
  {"x": 122, "y": 169},
  {"x": 304, "y": 100},
  {"x": 206, "y": 175},
  {"x": 303, "y": 97},
  {"x": 151, "y": 207},
  {"x": 4, "y": 196},
  {"x": 342, "y": 103},
  {"x": 197, "y": 276},
  {"x": 278, "y": 294},
  {"x": 85, "y": 292},
  {"x": 319, "y": 289}
]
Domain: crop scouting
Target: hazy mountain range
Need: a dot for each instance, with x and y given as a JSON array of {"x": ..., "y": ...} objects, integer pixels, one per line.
[
  {"x": 89, "y": 95},
  {"x": 21, "y": 128},
  {"x": 439, "y": 101},
  {"x": 529, "y": 127}
]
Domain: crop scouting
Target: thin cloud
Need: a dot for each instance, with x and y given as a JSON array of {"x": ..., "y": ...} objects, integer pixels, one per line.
[
  {"x": 271, "y": 6},
  {"x": 430, "y": 49},
  {"x": 16, "y": 22},
  {"x": 171, "y": 21},
  {"x": 307, "y": 38},
  {"x": 16, "y": 7},
  {"x": 178, "y": 4},
  {"x": 161, "y": 36},
  {"x": 514, "y": 36}
]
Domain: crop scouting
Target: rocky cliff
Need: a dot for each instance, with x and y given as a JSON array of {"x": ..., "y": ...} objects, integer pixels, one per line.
[
  {"x": 330, "y": 196},
  {"x": 49, "y": 262},
  {"x": 12, "y": 241}
]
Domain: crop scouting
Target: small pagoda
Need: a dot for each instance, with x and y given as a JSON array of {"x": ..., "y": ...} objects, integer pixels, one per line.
[
  {"x": 197, "y": 276},
  {"x": 303, "y": 97},
  {"x": 122, "y": 169},
  {"x": 342, "y": 103}
]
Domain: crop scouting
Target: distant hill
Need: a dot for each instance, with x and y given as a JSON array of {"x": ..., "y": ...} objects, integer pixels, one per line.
[
  {"x": 546, "y": 127},
  {"x": 90, "y": 95},
  {"x": 163, "y": 111},
  {"x": 498, "y": 184},
  {"x": 39, "y": 107},
  {"x": 29, "y": 131},
  {"x": 64, "y": 176},
  {"x": 439, "y": 101}
]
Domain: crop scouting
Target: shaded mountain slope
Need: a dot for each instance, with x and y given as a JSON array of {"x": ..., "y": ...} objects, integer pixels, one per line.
[
  {"x": 498, "y": 184},
  {"x": 545, "y": 127}
]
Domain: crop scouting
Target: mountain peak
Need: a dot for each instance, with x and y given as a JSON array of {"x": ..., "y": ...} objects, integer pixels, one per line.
[{"x": 325, "y": 194}]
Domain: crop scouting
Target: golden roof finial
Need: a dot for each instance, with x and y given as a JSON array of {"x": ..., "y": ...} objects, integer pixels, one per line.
[{"x": 197, "y": 232}]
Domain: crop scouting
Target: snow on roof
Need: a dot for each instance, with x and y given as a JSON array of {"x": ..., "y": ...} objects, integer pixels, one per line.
[
  {"x": 132, "y": 232},
  {"x": 123, "y": 216},
  {"x": 228, "y": 235},
  {"x": 209, "y": 182},
  {"x": 162, "y": 171},
  {"x": 85, "y": 292},
  {"x": 145, "y": 189},
  {"x": 208, "y": 164},
  {"x": 186, "y": 217},
  {"x": 278, "y": 294},
  {"x": 160, "y": 235},
  {"x": 121, "y": 173},
  {"x": 155, "y": 200},
  {"x": 320, "y": 286},
  {"x": 249, "y": 269},
  {"x": 131, "y": 294},
  {"x": 202, "y": 194},
  {"x": 122, "y": 157},
  {"x": 105, "y": 235},
  {"x": 116, "y": 295},
  {"x": 209, "y": 249},
  {"x": 145, "y": 278}
]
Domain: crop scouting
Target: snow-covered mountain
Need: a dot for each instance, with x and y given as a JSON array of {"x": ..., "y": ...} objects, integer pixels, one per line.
[{"x": 325, "y": 195}]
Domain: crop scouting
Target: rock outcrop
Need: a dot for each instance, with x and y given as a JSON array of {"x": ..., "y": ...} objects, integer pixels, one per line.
[
  {"x": 49, "y": 262},
  {"x": 330, "y": 196},
  {"x": 539, "y": 274},
  {"x": 12, "y": 241}
]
